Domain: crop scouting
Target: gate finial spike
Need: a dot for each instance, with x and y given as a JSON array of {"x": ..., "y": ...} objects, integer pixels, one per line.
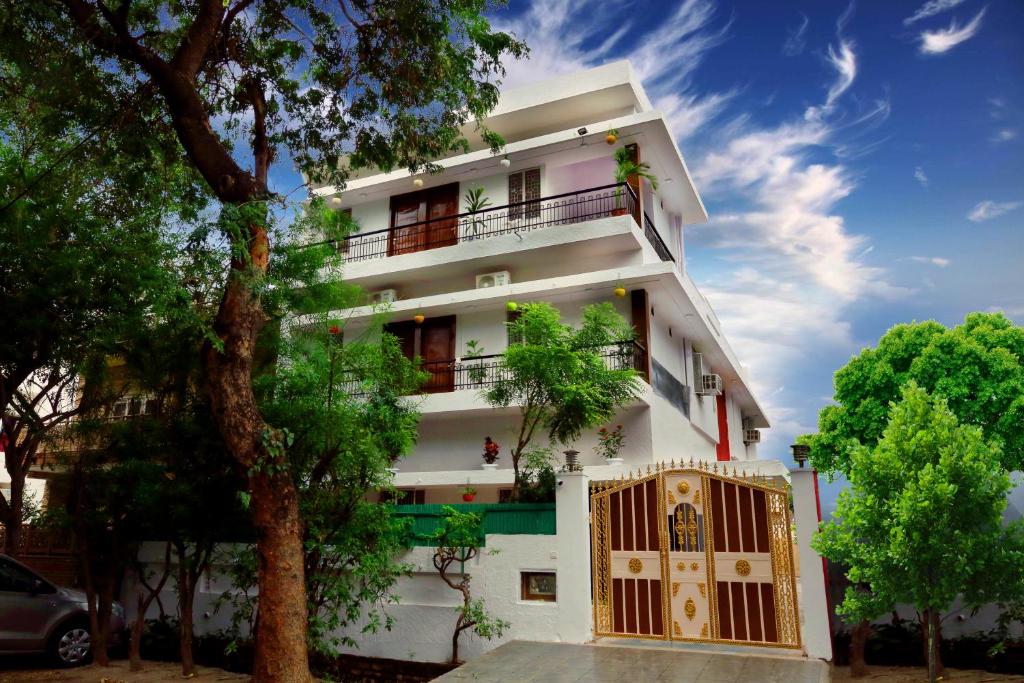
[
  {"x": 744, "y": 472},
  {"x": 691, "y": 461},
  {"x": 714, "y": 468},
  {"x": 673, "y": 463},
  {"x": 648, "y": 469}
]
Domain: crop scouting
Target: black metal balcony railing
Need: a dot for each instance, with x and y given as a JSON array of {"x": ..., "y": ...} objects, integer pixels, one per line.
[
  {"x": 485, "y": 371},
  {"x": 655, "y": 239},
  {"x": 562, "y": 209}
]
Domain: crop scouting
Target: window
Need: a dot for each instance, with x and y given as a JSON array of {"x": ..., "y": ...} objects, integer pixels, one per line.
[
  {"x": 404, "y": 497},
  {"x": 16, "y": 579},
  {"x": 538, "y": 586},
  {"x": 504, "y": 495},
  {"x": 133, "y": 406},
  {"x": 524, "y": 186},
  {"x": 513, "y": 336}
]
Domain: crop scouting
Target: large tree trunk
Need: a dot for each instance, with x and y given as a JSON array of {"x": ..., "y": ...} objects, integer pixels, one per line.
[
  {"x": 281, "y": 649},
  {"x": 858, "y": 641},
  {"x": 282, "y": 598},
  {"x": 931, "y": 631}
]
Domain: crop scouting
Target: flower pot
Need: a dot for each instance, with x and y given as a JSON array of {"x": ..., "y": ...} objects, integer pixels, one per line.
[
  {"x": 611, "y": 138},
  {"x": 614, "y": 461},
  {"x": 468, "y": 497},
  {"x": 620, "y": 292},
  {"x": 619, "y": 212},
  {"x": 489, "y": 466},
  {"x": 419, "y": 318}
]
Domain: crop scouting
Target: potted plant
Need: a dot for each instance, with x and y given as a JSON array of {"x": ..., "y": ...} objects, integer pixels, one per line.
[
  {"x": 491, "y": 449},
  {"x": 625, "y": 167},
  {"x": 609, "y": 444},
  {"x": 475, "y": 203},
  {"x": 477, "y": 372},
  {"x": 468, "y": 494}
]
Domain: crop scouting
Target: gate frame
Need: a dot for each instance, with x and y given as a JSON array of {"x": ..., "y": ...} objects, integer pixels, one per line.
[{"x": 781, "y": 559}]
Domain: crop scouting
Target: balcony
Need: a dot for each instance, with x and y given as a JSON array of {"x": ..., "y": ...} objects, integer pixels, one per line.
[
  {"x": 565, "y": 209},
  {"x": 481, "y": 372},
  {"x": 65, "y": 443}
]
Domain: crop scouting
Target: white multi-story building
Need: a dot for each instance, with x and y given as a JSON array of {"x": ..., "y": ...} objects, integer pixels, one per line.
[{"x": 557, "y": 229}]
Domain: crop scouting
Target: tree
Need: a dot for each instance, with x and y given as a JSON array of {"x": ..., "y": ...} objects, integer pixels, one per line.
[
  {"x": 390, "y": 83},
  {"x": 922, "y": 520},
  {"x": 458, "y": 539},
  {"x": 348, "y": 419},
  {"x": 81, "y": 248},
  {"x": 978, "y": 367},
  {"x": 560, "y": 378}
]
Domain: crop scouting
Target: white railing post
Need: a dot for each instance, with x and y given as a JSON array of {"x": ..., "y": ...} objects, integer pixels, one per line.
[
  {"x": 572, "y": 520},
  {"x": 816, "y": 632}
]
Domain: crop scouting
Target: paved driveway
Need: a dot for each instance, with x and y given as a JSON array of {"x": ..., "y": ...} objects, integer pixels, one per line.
[{"x": 522, "y": 662}]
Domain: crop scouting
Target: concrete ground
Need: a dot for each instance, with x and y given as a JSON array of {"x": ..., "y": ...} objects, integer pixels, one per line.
[{"x": 524, "y": 662}]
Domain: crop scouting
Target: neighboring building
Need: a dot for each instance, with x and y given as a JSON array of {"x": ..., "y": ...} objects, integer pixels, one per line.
[{"x": 557, "y": 230}]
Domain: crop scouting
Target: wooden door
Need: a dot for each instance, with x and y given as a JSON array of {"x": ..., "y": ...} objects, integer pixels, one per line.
[
  {"x": 433, "y": 341},
  {"x": 407, "y": 230},
  {"x": 442, "y": 205},
  {"x": 437, "y": 347},
  {"x": 415, "y": 223}
]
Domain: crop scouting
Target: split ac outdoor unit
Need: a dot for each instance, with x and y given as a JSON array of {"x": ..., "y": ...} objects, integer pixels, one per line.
[
  {"x": 705, "y": 384},
  {"x": 384, "y": 296},
  {"x": 498, "y": 279},
  {"x": 751, "y": 436}
]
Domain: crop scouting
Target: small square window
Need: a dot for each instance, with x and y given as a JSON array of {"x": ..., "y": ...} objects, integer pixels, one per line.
[{"x": 537, "y": 586}]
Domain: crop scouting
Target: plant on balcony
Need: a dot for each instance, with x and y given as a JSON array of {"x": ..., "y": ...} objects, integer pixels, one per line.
[
  {"x": 468, "y": 494},
  {"x": 475, "y": 203},
  {"x": 491, "y": 450},
  {"x": 627, "y": 167},
  {"x": 559, "y": 377},
  {"x": 610, "y": 442},
  {"x": 476, "y": 372},
  {"x": 458, "y": 539}
]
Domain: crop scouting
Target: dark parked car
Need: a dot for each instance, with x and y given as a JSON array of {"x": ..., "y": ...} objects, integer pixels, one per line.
[{"x": 38, "y": 616}]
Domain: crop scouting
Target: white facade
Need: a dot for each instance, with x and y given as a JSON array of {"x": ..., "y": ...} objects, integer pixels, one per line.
[{"x": 570, "y": 250}]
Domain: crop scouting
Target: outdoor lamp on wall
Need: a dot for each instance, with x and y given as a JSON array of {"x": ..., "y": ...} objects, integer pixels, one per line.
[
  {"x": 572, "y": 461},
  {"x": 505, "y": 162},
  {"x": 335, "y": 201},
  {"x": 800, "y": 453},
  {"x": 417, "y": 182}
]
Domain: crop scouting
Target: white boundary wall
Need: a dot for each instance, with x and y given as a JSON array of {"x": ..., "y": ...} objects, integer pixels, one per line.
[{"x": 426, "y": 614}]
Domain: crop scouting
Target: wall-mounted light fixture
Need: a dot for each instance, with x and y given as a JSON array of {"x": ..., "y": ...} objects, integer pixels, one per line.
[
  {"x": 801, "y": 452},
  {"x": 505, "y": 161}
]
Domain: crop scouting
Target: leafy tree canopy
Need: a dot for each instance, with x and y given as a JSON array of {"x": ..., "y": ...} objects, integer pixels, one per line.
[
  {"x": 921, "y": 522},
  {"x": 977, "y": 367},
  {"x": 564, "y": 379}
]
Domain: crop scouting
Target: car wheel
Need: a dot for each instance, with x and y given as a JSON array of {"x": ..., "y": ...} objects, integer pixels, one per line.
[{"x": 71, "y": 645}]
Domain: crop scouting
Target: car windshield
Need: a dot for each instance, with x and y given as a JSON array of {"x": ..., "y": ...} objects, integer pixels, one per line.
[{"x": 14, "y": 578}]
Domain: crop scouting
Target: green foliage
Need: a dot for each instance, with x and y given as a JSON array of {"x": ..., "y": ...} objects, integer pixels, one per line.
[
  {"x": 458, "y": 538},
  {"x": 626, "y": 167},
  {"x": 342, "y": 446},
  {"x": 922, "y": 520},
  {"x": 978, "y": 367},
  {"x": 558, "y": 376},
  {"x": 537, "y": 481}
]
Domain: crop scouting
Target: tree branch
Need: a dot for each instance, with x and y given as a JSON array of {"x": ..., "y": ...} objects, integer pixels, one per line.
[{"x": 195, "y": 46}]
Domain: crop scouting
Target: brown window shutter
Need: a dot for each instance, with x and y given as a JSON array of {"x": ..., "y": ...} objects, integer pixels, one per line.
[
  {"x": 532, "y": 183},
  {"x": 642, "y": 326},
  {"x": 515, "y": 195}
]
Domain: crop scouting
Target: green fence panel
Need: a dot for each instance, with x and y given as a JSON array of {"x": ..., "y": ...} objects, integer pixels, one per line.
[{"x": 499, "y": 518}]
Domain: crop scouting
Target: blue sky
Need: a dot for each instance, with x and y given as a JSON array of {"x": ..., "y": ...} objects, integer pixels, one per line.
[{"x": 863, "y": 164}]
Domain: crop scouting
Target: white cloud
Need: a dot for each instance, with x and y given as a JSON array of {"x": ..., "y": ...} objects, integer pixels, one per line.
[
  {"x": 568, "y": 35},
  {"x": 920, "y": 176},
  {"x": 988, "y": 209},
  {"x": 945, "y": 39},
  {"x": 796, "y": 38},
  {"x": 1004, "y": 135},
  {"x": 845, "y": 62},
  {"x": 932, "y": 260},
  {"x": 930, "y": 9}
]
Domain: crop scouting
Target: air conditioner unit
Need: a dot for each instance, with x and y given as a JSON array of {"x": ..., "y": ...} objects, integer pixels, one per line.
[
  {"x": 751, "y": 436},
  {"x": 498, "y": 279},
  {"x": 706, "y": 384},
  {"x": 710, "y": 385},
  {"x": 383, "y": 296}
]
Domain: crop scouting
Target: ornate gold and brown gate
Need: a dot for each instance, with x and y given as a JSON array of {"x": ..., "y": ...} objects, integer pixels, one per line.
[{"x": 694, "y": 554}]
